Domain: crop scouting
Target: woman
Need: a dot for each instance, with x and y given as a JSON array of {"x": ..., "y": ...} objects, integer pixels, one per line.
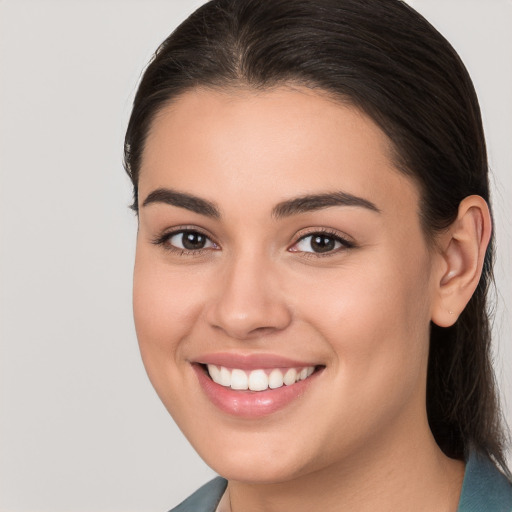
[{"x": 313, "y": 257}]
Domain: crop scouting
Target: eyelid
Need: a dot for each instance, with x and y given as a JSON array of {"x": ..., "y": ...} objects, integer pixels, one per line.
[
  {"x": 163, "y": 237},
  {"x": 345, "y": 240}
]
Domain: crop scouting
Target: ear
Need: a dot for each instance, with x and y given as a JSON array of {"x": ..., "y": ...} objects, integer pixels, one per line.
[{"x": 462, "y": 251}]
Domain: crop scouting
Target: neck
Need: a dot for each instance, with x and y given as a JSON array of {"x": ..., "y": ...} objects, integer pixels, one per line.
[{"x": 408, "y": 473}]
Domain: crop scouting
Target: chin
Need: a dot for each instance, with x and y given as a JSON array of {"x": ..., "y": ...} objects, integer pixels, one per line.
[
  {"x": 260, "y": 460},
  {"x": 256, "y": 472}
]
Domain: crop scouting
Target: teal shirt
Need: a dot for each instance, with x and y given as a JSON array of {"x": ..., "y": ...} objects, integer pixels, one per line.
[{"x": 484, "y": 489}]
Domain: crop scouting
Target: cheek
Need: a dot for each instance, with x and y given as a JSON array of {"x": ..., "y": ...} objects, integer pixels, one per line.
[
  {"x": 166, "y": 305},
  {"x": 376, "y": 319}
]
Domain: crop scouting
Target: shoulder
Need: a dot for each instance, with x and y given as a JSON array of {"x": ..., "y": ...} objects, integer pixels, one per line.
[
  {"x": 485, "y": 487},
  {"x": 205, "y": 499}
]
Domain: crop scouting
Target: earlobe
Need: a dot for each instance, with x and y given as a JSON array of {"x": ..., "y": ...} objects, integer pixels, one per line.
[{"x": 462, "y": 253}]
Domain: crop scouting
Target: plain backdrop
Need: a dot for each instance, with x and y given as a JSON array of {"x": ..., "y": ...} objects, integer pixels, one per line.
[{"x": 80, "y": 427}]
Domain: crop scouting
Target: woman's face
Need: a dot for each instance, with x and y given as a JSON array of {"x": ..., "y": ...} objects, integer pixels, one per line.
[{"x": 276, "y": 237}]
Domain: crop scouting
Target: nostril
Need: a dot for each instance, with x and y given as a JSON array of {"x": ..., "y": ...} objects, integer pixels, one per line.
[
  {"x": 263, "y": 330},
  {"x": 240, "y": 331}
]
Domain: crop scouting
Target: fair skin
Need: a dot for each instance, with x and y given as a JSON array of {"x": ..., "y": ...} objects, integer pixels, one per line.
[{"x": 347, "y": 287}]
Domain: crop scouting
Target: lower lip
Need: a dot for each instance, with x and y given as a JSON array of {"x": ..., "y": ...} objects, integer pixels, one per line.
[{"x": 251, "y": 404}]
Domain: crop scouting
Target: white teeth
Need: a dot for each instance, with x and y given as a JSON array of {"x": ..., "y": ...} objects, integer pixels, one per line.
[
  {"x": 290, "y": 376},
  {"x": 224, "y": 378},
  {"x": 214, "y": 372},
  {"x": 257, "y": 380},
  {"x": 275, "y": 379},
  {"x": 239, "y": 380}
]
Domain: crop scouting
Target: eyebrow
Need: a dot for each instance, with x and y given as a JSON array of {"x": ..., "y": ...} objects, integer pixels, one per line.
[
  {"x": 295, "y": 206},
  {"x": 182, "y": 200},
  {"x": 310, "y": 203}
]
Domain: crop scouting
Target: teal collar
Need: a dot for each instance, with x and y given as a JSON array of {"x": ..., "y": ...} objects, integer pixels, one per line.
[{"x": 484, "y": 489}]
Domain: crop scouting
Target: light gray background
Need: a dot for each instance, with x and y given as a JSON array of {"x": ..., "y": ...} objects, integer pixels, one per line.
[{"x": 80, "y": 426}]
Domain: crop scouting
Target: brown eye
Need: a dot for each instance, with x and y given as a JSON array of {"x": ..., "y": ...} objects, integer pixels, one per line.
[
  {"x": 321, "y": 243},
  {"x": 193, "y": 241},
  {"x": 189, "y": 240}
]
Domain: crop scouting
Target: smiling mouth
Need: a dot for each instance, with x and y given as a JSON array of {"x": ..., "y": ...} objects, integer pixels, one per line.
[{"x": 257, "y": 379}]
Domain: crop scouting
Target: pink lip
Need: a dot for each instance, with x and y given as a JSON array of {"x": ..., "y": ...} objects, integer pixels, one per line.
[
  {"x": 252, "y": 361},
  {"x": 251, "y": 404}
]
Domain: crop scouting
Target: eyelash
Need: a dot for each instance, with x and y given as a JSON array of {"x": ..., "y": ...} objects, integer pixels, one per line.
[
  {"x": 326, "y": 233},
  {"x": 163, "y": 240}
]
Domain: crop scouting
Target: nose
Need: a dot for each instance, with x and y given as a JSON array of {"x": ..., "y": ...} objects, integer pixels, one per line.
[{"x": 250, "y": 301}]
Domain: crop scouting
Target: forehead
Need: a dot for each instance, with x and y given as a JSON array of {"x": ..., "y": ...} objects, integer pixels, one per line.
[{"x": 296, "y": 140}]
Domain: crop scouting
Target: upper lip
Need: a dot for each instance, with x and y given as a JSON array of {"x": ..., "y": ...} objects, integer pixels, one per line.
[{"x": 252, "y": 361}]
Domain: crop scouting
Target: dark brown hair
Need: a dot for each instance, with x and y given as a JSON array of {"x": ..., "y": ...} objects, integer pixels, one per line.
[{"x": 386, "y": 59}]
